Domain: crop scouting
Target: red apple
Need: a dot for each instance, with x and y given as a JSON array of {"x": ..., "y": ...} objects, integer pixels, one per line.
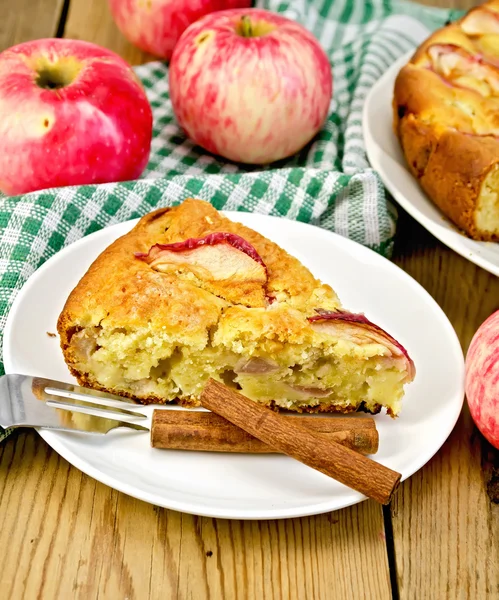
[
  {"x": 250, "y": 85},
  {"x": 482, "y": 378},
  {"x": 155, "y": 25},
  {"x": 70, "y": 113}
]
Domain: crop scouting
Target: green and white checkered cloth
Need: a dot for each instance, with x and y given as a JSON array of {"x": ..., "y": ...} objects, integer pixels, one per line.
[{"x": 329, "y": 183}]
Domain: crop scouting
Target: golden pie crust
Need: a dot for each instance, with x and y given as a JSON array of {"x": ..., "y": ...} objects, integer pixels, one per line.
[
  {"x": 156, "y": 330},
  {"x": 446, "y": 116}
]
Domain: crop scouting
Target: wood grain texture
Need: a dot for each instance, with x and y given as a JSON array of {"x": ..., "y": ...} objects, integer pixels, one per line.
[
  {"x": 91, "y": 20},
  {"x": 68, "y": 536},
  {"x": 24, "y": 20},
  {"x": 446, "y": 527},
  {"x": 64, "y": 535}
]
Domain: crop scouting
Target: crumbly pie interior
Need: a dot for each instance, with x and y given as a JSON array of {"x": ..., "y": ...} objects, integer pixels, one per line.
[
  {"x": 189, "y": 294},
  {"x": 446, "y": 115}
]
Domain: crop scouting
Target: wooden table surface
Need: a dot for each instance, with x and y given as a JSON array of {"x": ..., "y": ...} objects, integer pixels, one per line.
[{"x": 63, "y": 535}]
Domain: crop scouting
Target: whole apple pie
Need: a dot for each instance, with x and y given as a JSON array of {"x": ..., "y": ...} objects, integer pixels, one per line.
[
  {"x": 446, "y": 115},
  {"x": 189, "y": 294}
]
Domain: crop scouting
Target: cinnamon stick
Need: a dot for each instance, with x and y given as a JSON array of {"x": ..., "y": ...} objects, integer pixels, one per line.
[
  {"x": 206, "y": 431},
  {"x": 346, "y": 466}
]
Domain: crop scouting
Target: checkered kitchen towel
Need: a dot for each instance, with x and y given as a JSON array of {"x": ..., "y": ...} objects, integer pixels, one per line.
[{"x": 329, "y": 183}]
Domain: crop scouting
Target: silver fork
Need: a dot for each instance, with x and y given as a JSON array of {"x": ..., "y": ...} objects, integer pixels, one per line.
[{"x": 36, "y": 402}]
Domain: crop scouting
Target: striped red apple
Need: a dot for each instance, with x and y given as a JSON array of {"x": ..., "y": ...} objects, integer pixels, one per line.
[
  {"x": 250, "y": 85},
  {"x": 482, "y": 378},
  {"x": 71, "y": 113},
  {"x": 156, "y": 25}
]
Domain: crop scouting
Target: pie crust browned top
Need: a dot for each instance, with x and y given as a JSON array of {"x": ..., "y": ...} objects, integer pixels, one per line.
[
  {"x": 446, "y": 115},
  {"x": 188, "y": 294}
]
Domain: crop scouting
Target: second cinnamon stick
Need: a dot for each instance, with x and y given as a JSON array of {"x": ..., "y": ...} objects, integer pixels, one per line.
[
  {"x": 206, "y": 431},
  {"x": 346, "y": 466}
]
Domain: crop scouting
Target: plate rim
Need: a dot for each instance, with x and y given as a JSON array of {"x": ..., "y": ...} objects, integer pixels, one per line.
[
  {"x": 447, "y": 236},
  {"x": 56, "y": 441}
]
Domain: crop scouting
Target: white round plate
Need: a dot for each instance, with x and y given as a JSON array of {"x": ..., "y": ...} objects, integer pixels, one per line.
[
  {"x": 385, "y": 156},
  {"x": 252, "y": 486}
]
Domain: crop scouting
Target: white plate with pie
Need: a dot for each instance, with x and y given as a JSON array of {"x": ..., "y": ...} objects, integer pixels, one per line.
[
  {"x": 254, "y": 486},
  {"x": 385, "y": 155}
]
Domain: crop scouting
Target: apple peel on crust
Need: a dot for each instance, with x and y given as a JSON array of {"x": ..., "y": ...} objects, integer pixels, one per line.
[
  {"x": 360, "y": 330},
  {"x": 480, "y": 21},
  {"x": 460, "y": 68},
  {"x": 222, "y": 263}
]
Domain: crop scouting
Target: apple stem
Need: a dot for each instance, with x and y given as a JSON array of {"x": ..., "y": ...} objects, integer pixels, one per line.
[{"x": 246, "y": 26}]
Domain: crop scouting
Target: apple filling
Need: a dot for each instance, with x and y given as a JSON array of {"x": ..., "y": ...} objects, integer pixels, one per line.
[
  {"x": 480, "y": 21},
  {"x": 344, "y": 361},
  {"x": 482, "y": 26},
  {"x": 460, "y": 68},
  {"x": 487, "y": 210}
]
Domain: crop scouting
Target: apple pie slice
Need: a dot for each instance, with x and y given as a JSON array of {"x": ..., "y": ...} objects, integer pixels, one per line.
[
  {"x": 446, "y": 116},
  {"x": 189, "y": 294}
]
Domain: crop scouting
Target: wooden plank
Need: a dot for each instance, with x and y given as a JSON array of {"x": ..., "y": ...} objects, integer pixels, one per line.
[
  {"x": 68, "y": 536},
  {"x": 446, "y": 528},
  {"x": 91, "y": 20},
  {"x": 25, "y": 20}
]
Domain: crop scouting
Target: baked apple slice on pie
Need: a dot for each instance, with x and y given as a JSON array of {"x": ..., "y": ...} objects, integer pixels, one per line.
[
  {"x": 446, "y": 116},
  {"x": 189, "y": 294}
]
